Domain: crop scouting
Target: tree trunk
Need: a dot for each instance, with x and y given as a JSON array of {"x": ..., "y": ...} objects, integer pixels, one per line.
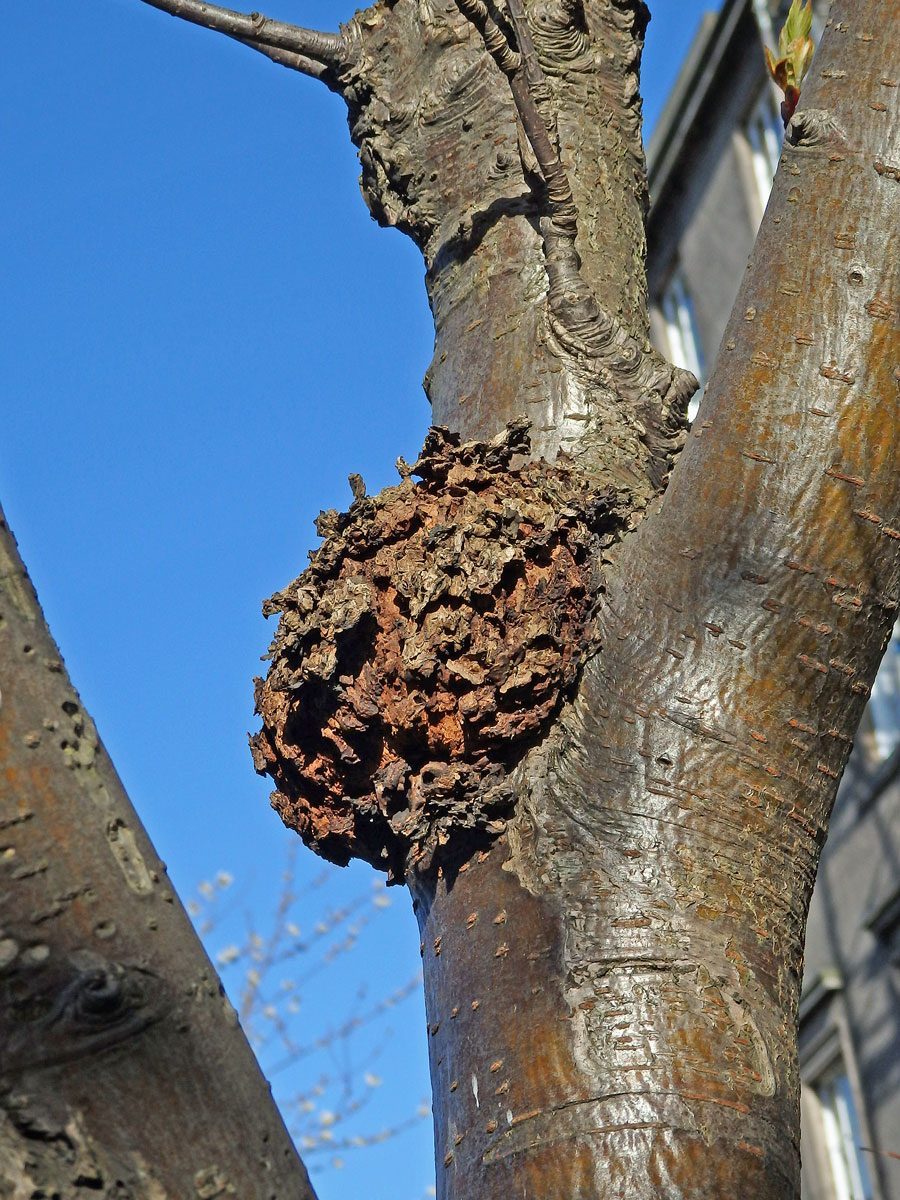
[
  {"x": 123, "y": 1071},
  {"x": 612, "y": 975},
  {"x": 612, "y": 992},
  {"x": 597, "y": 726}
]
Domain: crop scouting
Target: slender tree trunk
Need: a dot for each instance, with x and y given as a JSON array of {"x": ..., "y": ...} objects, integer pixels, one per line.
[{"x": 123, "y": 1072}]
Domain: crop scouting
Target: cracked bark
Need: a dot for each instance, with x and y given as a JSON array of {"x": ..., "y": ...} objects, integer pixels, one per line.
[{"x": 613, "y": 948}]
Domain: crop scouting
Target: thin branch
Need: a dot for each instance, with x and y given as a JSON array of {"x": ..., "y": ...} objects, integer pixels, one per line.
[
  {"x": 340, "y": 1033},
  {"x": 571, "y": 300},
  {"x": 286, "y": 58},
  {"x": 495, "y": 40},
  {"x": 533, "y": 72},
  {"x": 519, "y": 69},
  {"x": 308, "y": 50}
]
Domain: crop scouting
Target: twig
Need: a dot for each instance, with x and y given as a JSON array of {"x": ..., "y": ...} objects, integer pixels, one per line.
[
  {"x": 339, "y": 1033},
  {"x": 887, "y": 1153},
  {"x": 286, "y": 58},
  {"x": 519, "y": 69},
  {"x": 308, "y": 50},
  {"x": 533, "y": 72}
]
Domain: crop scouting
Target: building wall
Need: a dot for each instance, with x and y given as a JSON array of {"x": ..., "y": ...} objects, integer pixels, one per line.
[
  {"x": 707, "y": 223},
  {"x": 853, "y": 943},
  {"x": 706, "y": 206}
]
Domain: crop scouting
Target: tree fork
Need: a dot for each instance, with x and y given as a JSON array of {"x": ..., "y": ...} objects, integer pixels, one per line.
[
  {"x": 621, "y": 945},
  {"x": 611, "y": 987},
  {"x": 664, "y": 848}
]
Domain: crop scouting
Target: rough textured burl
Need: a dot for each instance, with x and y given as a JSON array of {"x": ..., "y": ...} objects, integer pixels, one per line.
[{"x": 428, "y": 644}]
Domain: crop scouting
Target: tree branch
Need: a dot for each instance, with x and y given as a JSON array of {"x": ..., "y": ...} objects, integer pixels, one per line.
[
  {"x": 308, "y": 50},
  {"x": 580, "y": 325},
  {"x": 286, "y": 58},
  {"x": 519, "y": 69},
  {"x": 533, "y": 72}
]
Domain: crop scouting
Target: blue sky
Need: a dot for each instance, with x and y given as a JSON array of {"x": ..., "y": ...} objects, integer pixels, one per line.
[{"x": 203, "y": 333}]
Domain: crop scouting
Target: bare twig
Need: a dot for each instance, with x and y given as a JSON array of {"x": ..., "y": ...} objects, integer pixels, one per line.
[
  {"x": 340, "y": 1033},
  {"x": 495, "y": 40},
  {"x": 533, "y": 72},
  {"x": 270, "y": 1003},
  {"x": 571, "y": 301},
  {"x": 287, "y": 58},
  {"x": 316, "y": 1146},
  {"x": 887, "y": 1153},
  {"x": 305, "y": 50}
]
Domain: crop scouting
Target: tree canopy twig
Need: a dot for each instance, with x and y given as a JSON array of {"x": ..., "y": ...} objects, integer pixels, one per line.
[{"x": 308, "y": 50}]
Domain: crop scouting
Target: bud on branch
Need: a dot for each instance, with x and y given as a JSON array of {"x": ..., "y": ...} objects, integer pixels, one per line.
[{"x": 796, "y": 49}]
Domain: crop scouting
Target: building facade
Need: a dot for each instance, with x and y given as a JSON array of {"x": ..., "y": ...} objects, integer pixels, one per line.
[{"x": 711, "y": 162}]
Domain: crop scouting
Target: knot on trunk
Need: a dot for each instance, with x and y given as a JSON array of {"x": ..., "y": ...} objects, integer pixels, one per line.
[{"x": 427, "y": 646}]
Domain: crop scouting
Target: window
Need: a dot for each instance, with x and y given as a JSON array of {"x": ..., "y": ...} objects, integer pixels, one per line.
[
  {"x": 839, "y": 1137},
  {"x": 682, "y": 333},
  {"x": 884, "y": 914},
  {"x": 884, "y": 703},
  {"x": 835, "y": 1137},
  {"x": 764, "y": 130}
]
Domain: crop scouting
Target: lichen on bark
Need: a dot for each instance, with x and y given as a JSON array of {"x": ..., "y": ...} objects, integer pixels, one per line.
[{"x": 430, "y": 642}]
